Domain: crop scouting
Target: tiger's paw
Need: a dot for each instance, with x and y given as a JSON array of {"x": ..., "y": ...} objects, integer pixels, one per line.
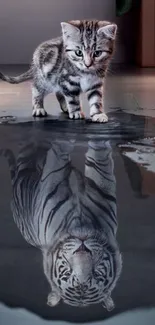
[
  {"x": 108, "y": 304},
  {"x": 53, "y": 299}
]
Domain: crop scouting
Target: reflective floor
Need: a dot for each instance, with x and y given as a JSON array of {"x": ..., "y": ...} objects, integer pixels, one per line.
[{"x": 77, "y": 239}]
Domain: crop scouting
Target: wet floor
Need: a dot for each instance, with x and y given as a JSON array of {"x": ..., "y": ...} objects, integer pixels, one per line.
[{"x": 77, "y": 217}]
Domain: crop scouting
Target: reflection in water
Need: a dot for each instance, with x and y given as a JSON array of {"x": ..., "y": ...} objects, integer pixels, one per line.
[
  {"x": 70, "y": 217},
  {"x": 139, "y": 160},
  {"x": 141, "y": 152}
]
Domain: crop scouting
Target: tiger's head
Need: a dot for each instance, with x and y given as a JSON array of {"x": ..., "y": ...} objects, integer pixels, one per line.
[{"x": 84, "y": 270}]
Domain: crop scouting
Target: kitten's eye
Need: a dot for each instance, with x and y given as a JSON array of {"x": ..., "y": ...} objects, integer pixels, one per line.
[
  {"x": 79, "y": 53},
  {"x": 97, "y": 54}
]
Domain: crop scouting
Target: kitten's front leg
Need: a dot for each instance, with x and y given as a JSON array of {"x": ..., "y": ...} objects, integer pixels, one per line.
[
  {"x": 95, "y": 98},
  {"x": 73, "y": 105},
  {"x": 62, "y": 102},
  {"x": 37, "y": 103}
]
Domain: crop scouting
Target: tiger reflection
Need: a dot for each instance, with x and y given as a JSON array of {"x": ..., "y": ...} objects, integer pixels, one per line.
[{"x": 71, "y": 217}]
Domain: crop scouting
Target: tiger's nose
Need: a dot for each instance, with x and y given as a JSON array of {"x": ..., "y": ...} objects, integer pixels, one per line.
[{"x": 82, "y": 248}]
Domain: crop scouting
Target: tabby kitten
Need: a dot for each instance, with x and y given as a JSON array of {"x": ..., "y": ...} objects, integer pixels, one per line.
[{"x": 74, "y": 63}]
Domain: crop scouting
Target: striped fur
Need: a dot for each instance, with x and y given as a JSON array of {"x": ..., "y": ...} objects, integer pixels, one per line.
[
  {"x": 74, "y": 63},
  {"x": 16, "y": 80},
  {"x": 71, "y": 218}
]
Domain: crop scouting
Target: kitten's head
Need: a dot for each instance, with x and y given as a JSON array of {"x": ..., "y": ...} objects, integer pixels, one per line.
[{"x": 89, "y": 44}]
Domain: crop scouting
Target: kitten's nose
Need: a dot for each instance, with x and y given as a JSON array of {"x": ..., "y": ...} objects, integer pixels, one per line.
[
  {"x": 87, "y": 60},
  {"x": 88, "y": 65}
]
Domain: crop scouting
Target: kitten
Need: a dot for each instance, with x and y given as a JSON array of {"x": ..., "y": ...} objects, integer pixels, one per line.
[{"x": 74, "y": 63}]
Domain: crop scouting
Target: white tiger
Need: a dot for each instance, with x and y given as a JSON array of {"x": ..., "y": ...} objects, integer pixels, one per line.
[{"x": 70, "y": 217}]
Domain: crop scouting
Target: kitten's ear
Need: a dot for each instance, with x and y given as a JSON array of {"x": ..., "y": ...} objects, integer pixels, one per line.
[
  {"x": 108, "y": 30},
  {"x": 108, "y": 303},
  {"x": 69, "y": 30}
]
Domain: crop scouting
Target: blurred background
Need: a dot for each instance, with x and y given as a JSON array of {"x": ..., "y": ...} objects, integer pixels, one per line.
[{"x": 24, "y": 24}]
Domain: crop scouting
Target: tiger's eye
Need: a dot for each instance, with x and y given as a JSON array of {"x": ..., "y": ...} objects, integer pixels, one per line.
[
  {"x": 96, "y": 274},
  {"x": 79, "y": 53},
  {"x": 68, "y": 273}
]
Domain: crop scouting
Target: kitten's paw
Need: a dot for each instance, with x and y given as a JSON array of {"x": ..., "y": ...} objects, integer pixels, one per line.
[
  {"x": 76, "y": 115},
  {"x": 39, "y": 112},
  {"x": 100, "y": 118},
  {"x": 64, "y": 109}
]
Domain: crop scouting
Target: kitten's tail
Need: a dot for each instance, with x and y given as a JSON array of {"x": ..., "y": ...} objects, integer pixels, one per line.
[{"x": 16, "y": 80}]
